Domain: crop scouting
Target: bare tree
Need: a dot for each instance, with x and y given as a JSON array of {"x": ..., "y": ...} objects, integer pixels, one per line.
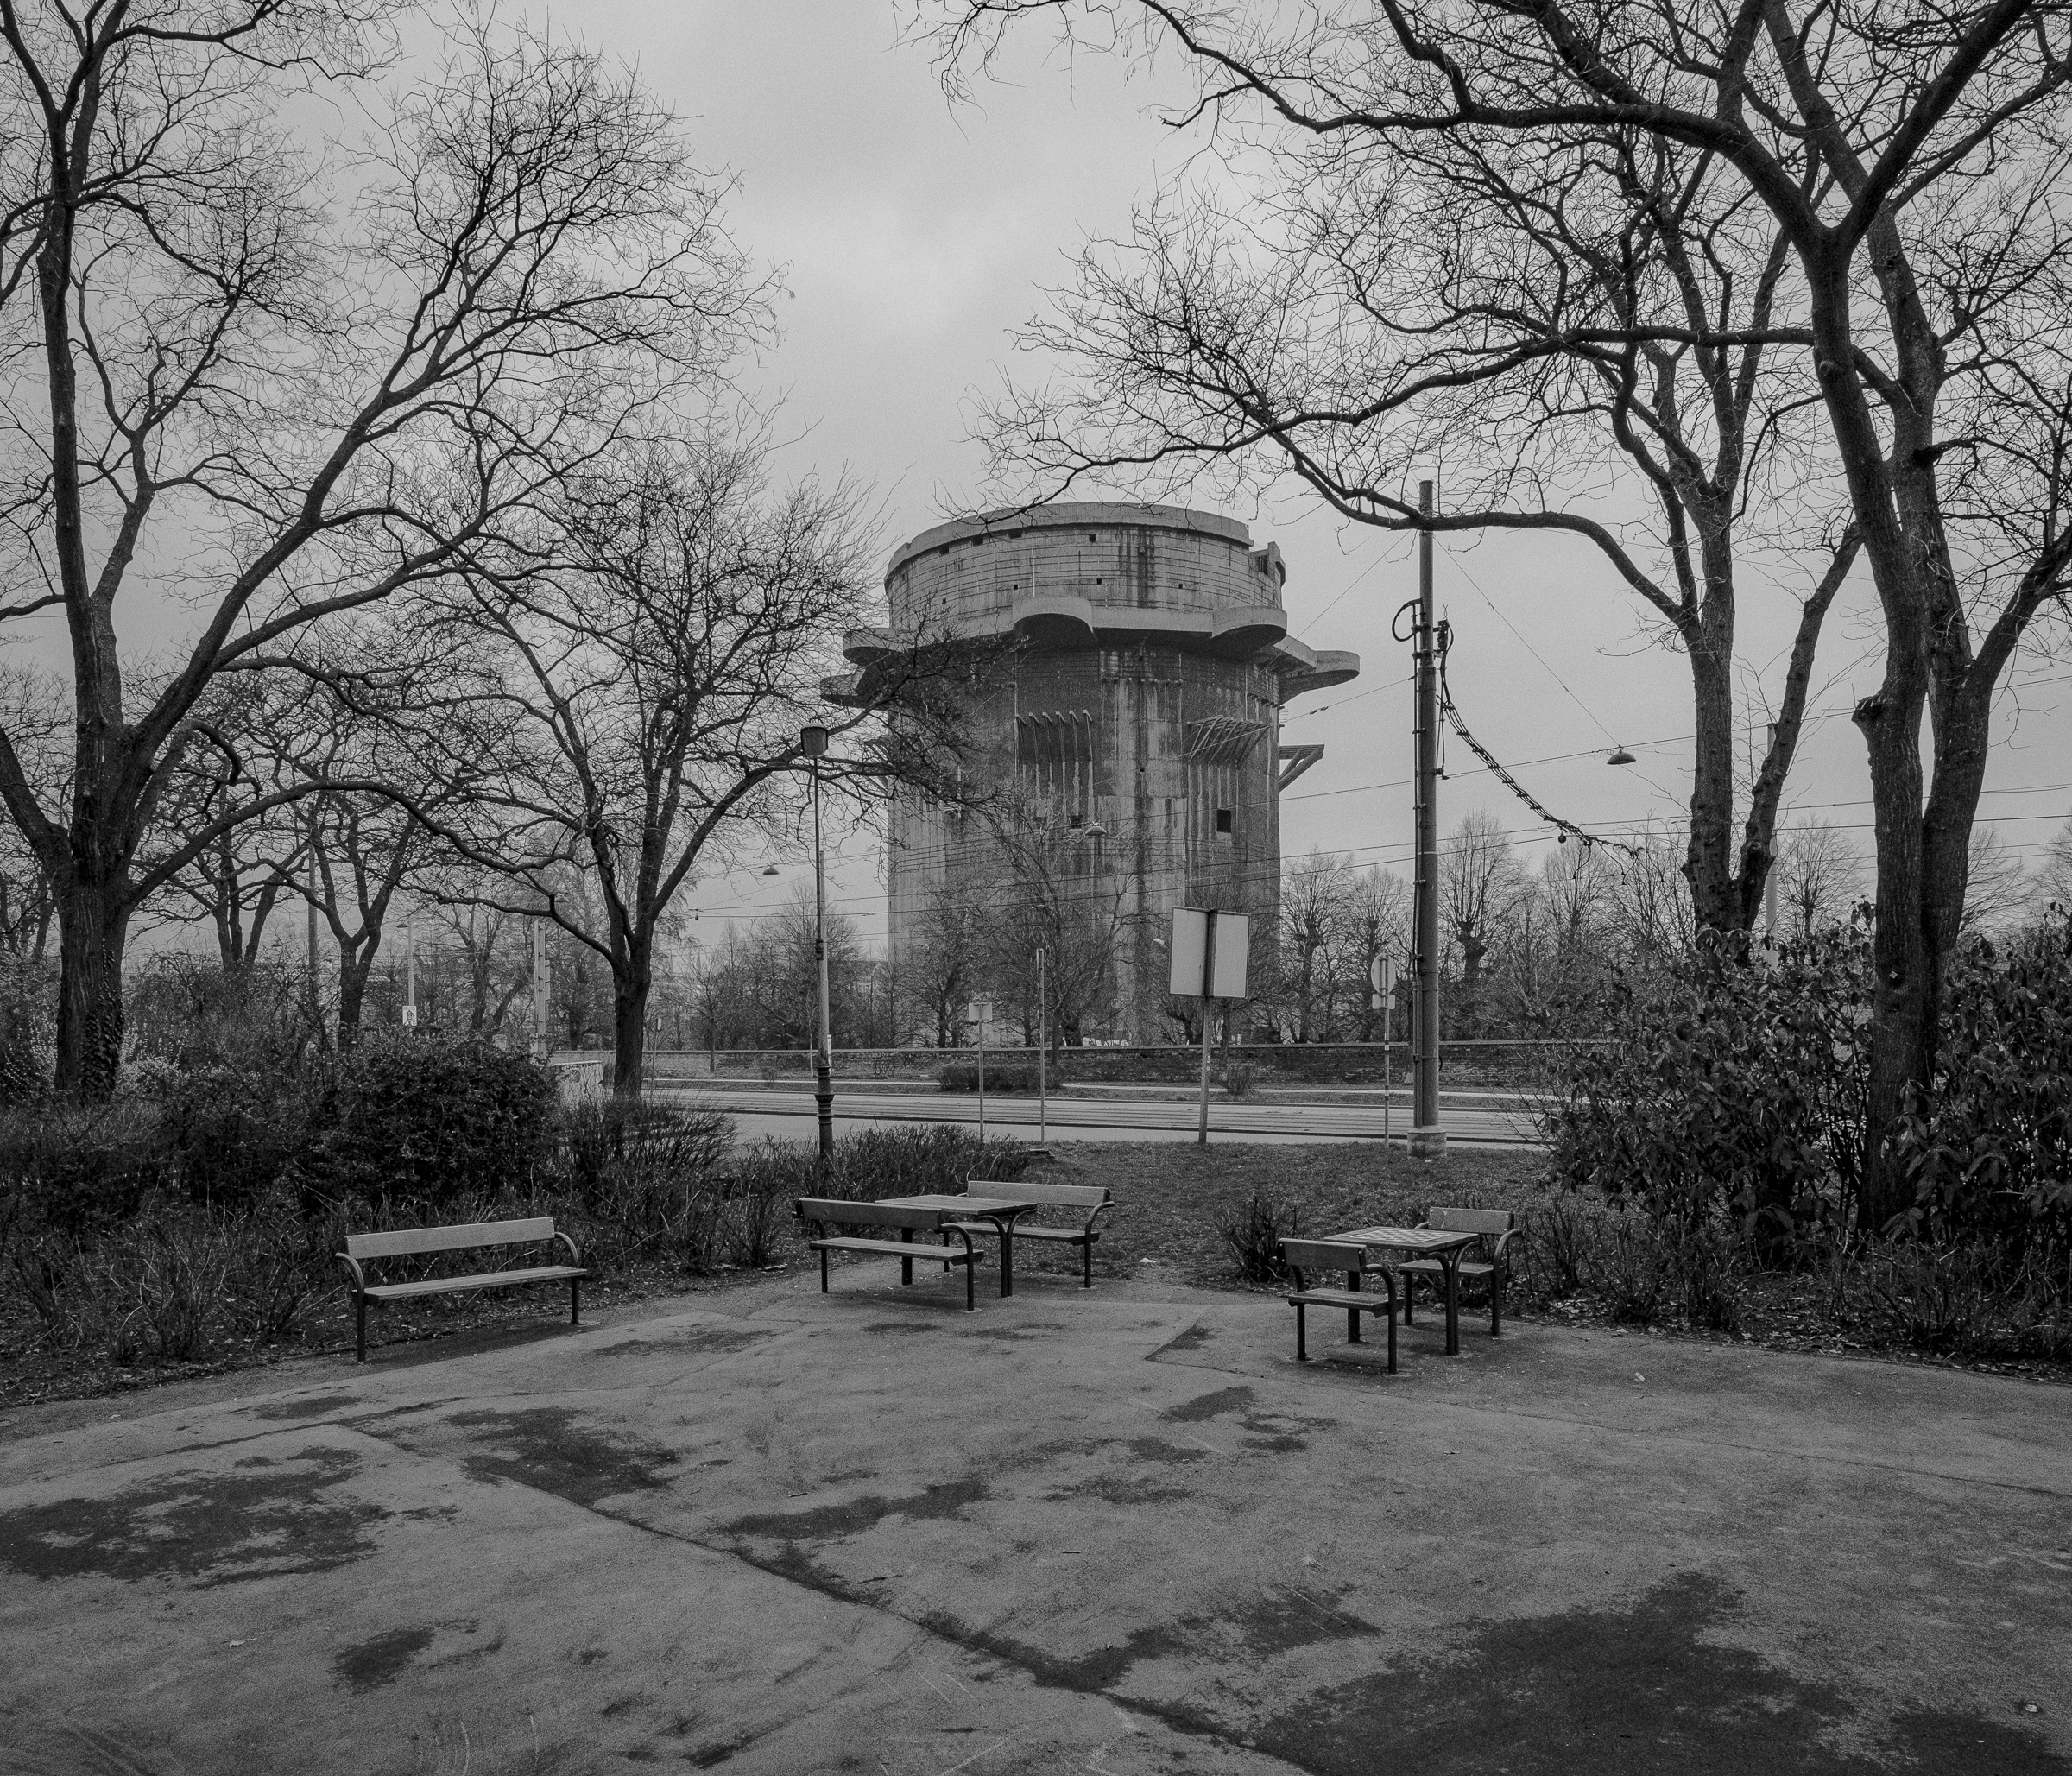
[
  {"x": 1377, "y": 925},
  {"x": 1047, "y": 893},
  {"x": 653, "y": 657},
  {"x": 1998, "y": 889},
  {"x": 1913, "y": 159},
  {"x": 2054, "y": 875},
  {"x": 266, "y": 405},
  {"x": 938, "y": 974},
  {"x": 1315, "y": 902},
  {"x": 1480, "y": 887},
  {"x": 1821, "y": 874}
]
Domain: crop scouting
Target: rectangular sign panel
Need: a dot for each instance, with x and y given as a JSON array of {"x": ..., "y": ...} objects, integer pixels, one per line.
[{"x": 1191, "y": 946}]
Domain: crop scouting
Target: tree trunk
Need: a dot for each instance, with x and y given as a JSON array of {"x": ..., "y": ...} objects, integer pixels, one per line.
[
  {"x": 632, "y": 978},
  {"x": 93, "y": 925},
  {"x": 1708, "y": 862},
  {"x": 1908, "y": 966},
  {"x": 353, "y": 975}
]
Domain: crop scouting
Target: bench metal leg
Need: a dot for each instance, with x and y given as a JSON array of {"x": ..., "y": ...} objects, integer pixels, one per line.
[
  {"x": 1086, "y": 1250},
  {"x": 575, "y": 1301},
  {"x": 1392, "y": 1343},
  {"x": 970, "y": 1284},
  {"x": 362, "y": 1352},
  {"x": 1301, "y": 1341},
  {"x": 824, "y": 1270},
  {"x": 907, "y": 1264},
  {"x": 1352, "y": 1314},
  {"x": 1410, "y": 1290},
  {"x": 1496, "y": 1304}
]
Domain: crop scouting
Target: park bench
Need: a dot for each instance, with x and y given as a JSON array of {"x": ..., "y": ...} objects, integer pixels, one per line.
[
  {"x": 1332, "y": 1254},
  {"x": 362, "y": 1248},
  {"x": 1496, "y": 1226},
  {"x": 824, "y": 1214},
  {"x": 1094, "y": 1198}
]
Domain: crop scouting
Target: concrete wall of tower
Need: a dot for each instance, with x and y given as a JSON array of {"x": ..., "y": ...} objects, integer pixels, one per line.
[{"x": 1126, "y": 725}]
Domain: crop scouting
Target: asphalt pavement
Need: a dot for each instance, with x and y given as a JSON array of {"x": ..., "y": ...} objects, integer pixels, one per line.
[{"x": 774, "y": 1531}]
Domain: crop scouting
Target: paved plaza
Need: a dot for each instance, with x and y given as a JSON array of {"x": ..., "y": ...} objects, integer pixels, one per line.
[{"x": 1122, "y": 1530}]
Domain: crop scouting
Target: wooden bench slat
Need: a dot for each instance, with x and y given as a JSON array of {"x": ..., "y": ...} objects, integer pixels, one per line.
[
  {"x": 406, "y": 1240},
  {"x": 483, "y": 1279},
  {"x": 898, "y": 1248},
  {"x": 1024, "y": 1231},
  {"x": 1369, "y": 1302},
  {"x": 867, "y": 1213},
  {"x": 1070, "y": 1196}
]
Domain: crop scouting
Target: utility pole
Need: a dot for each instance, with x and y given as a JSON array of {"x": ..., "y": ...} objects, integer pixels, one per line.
[
  {"x": 1042, "y": 1054},
  {"x": 812, "y": 742},
  {"x": 1427, "y": 1138},
  {"x": 542, "y": 993}
]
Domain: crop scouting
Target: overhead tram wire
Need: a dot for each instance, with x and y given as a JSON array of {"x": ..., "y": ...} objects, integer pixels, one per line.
[{"x": 1568, "y": 829}]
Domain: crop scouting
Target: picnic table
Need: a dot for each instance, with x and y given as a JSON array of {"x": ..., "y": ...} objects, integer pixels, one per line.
[
  {"x": 1002, "y": 1209},
  {"x": 1443, "y": 1244}
]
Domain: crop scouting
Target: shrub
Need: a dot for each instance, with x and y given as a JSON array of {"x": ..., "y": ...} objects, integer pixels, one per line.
[
  {"x": 1736, "y": 1088},
  {"x": 637, "y": 1171},
  {"x": 1253, "y": 1231},
  {"x": 1990, "y": 1149},
  {"x": 429, "y": 1118},
  {"x": 74, "y": 1167},
  {"x": 234, "y": 1134},
  {"x": 1010, "y": 1078}
]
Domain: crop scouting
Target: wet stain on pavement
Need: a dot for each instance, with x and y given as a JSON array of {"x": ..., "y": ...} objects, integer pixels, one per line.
[
  {"x": 1242, "y": 1635},
  {"x": 719, "y": 1339},
  {"x": 1192, "y": 1339},
  {"x": 548, "y": 1449},
  {"x": 1032, "y": 1333},
  {"x": 1156, "y": 1449},
  {"x": 894, "y": 1327},
  {"x": 377, "y": 1663},
  {"x": 1621, "y": 1692},
  {"x": 829, "y": 1523},
  {"x": 313, "y": 1406},
  {"x": 1205, "y": 1406},
  {"x": 1281, "y": 1434},
  {"x": 1121, "y": 1490},
  {"x": 268, "y": 1518}
]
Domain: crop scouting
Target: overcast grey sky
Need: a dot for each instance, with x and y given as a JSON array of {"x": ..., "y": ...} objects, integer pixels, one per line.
[{"x": 918, "y": 238}]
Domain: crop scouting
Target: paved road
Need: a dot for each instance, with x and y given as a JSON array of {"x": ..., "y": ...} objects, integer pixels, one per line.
[{"x": 1471, "y": 1122}]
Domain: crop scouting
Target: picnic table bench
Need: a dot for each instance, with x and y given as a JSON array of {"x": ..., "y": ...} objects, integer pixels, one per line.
[
  {"x": 362, "y": 1248},
  {"x": 1496, "y": 1228},
  {"x": 824, "y": 1213},
  {"x": 1094, "y": 1198},
  {"x": 1337, "y": 1255}
]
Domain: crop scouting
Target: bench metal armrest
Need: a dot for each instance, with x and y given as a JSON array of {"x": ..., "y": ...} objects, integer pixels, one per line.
[
  {"x": 574, "y": 1257},
  {"x": 359, "y": 1276},
  {"x": 1499, "y": 1242},
  {"x": 1100, "y": 1209}
]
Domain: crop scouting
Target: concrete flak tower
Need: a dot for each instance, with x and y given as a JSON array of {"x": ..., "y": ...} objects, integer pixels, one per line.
[{"x": 1129, "y": 668}]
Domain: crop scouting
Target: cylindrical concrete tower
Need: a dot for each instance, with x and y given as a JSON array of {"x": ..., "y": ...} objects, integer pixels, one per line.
[{"x": 1130, "y": 666}]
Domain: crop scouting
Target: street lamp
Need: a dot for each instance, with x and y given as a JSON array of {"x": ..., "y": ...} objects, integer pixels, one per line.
[{"x": 812, "y": 742}]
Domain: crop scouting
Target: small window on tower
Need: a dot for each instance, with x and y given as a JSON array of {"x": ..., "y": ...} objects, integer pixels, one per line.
[{"x": 1223, "y": 819}]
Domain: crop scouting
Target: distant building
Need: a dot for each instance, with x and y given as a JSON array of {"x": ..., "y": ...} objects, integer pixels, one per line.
[{"x": 1129, "y": 668}]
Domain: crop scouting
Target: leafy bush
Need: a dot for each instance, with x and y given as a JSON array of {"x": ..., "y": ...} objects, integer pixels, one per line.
[
  {"x": 1990, "y": 1150},
  {"x": 74, "y": 1167},
  {"x": 234, "y": 1134},
  {"x": 639, "y": 1172},
  {"x": 1253, "y": 1232},
  {"x": 431, "y": 1118},
  {"x": 1736, "y": 1088}
]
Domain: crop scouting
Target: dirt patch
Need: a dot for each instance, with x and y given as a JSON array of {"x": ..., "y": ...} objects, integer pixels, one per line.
[
  {"x": 1281, "y": 1434},
  {"x": 1626, "y": 1692},
  {"x": 1121, "y": 1490},
  {"x": 375, "y": 1663},
  {"x": 313, "y": 1406},
  {"x": 266, "y": 1519},
  {"x": 547, "y": 1447}
]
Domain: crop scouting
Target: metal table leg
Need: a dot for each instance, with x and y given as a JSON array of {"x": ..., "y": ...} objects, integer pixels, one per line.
[{"x": 1453, "y": 1303}]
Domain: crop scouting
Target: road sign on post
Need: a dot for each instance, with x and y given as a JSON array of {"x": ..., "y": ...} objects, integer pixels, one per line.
[
  {"x": 979, "y": 1014},
  {"x": 1209, "y": 949}
]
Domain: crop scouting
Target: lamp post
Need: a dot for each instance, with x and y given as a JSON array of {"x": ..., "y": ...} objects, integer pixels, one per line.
[{"x": 812, "y": 742}]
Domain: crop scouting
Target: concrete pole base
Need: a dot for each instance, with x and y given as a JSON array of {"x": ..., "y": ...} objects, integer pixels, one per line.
[{"x": 1428, "y": 1143}]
